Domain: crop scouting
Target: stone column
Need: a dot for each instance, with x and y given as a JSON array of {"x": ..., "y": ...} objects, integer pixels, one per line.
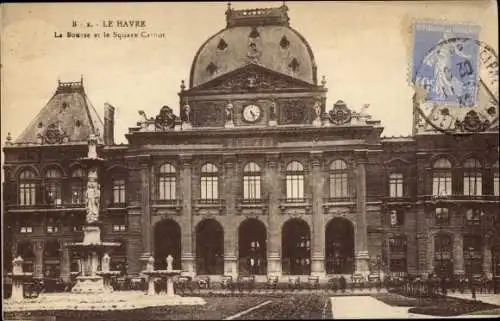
[
  {"x": 362, "y": 258},
  {"x": 38, "y": 246},
  {"x": 458, "y": 254},
  {"x": 487, "y": 260},
  {"x": 273, "y": 185},
  {"x": 65, "y": 265},
  {"x": 187, "y": 258},
  {"x": 231, "y": 231},
  {"x": 317, "y": 179},
  {"x": 144, "y": 162},
  {"x": 430, "y": 253}
]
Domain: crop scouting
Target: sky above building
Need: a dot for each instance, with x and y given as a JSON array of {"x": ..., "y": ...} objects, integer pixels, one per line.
[{"x": 364, "y": 50}]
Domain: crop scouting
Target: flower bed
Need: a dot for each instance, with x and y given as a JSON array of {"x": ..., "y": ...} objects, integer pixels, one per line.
[
  {"x": 438, "y": 306},
  {"x": 293, "y": 307}
]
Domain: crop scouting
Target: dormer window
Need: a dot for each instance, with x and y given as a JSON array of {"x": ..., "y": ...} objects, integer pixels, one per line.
[
  {"x": 284, "y": 43},
  {"x": 211, "y": 68},
  {"x": 254, "y": 33},
  {"x": 222, "y": 45},
  {"x": 294, "y": 64}
]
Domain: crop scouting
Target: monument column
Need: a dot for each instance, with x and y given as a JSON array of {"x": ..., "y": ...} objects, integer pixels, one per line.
[
  {"x": 273, "y": 185},
  {"x": 361, "y": 254},
  {"x": 318, "y": 234},
  {"x": 187, "y": 258},
  {"x": 231, "y": 232},
  {"x": 144, "y": 164}
]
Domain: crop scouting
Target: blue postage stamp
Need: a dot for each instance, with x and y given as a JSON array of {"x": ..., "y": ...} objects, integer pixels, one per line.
[{"x": 445, "y": 62}]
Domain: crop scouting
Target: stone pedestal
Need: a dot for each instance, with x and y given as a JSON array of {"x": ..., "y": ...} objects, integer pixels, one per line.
[
  {"x": 362, "y": 263},
  {"x": 317, "y": 122},
  {"x": 187, "y": 262},
  {"x": 274, "y": 265},
  {"x": 272, "y": 123},
  {"x": 18, "y": 277},
  {"x": 318, "y": 266},
  {"x": 229, "y": 124},
  {"x": 170, "y": 287},
  {"x": 230, "y": 266},
  {"x": 186, "y": 126}
]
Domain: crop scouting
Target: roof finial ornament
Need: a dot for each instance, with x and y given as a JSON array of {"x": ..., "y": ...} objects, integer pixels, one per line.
[
  {"x": 229, "y": 6},
  {"x": 9, "y": 139},
  {"x": 81, "y": 79},
  {"x": 183, "y": 86},
  {"x": 323, "y": 81}
]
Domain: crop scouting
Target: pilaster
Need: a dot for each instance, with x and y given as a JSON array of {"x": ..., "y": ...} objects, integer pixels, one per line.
[
  {"x": 361, "y": 255},
  {"x": 458, "y": 254},
  {"x": 231, "y": 231},
  {"x": 187, "y": 257},
  {"x": 273, "y": 182},
  {"x": 318, "y": 236},
  {"x": 38, "y": 246}
]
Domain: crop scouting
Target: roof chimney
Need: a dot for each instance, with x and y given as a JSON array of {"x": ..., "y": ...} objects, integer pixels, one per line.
[{"x": 109, "y": 124}]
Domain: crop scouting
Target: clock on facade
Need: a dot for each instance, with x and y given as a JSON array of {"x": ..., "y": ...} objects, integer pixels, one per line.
[{"x": 252, "y": 113}]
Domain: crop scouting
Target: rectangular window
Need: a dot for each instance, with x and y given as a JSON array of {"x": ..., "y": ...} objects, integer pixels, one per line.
[
  {"x": 442, "y": 216},
  {"x": 397, "y": 218},
  {"x": 119, "y": 191},
  {"x": 53, "y": 193},
  {"x": 26, "y": 229},
  {"x": 294, "y": 187},
  {"x": 396, "y": 185},
  {"x": 441, "y": 184},
  {"x": 338, "y": 185},
  {"x": 496, "y": 184},
  {"x": 167, "y": 188},
  {"x": 27, "y": 193},
  {"x": 209, "y": 188},
  {"x": 251, "y": 187},
  {"x": 77, "y": 192},
  {"x": 52, "y": 229},
  {"x": 472, "y": 184}
]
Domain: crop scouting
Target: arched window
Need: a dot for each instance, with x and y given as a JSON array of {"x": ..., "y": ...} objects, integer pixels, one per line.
[
  {"x": 167, "y": 182},
  {"x": 496, "y": 180},
  {"x": 27, "y": 188},
  {"x": 251, "y": 182},
  {"x": 472, "y": 177},
  {"x": 53, "y": 186},
  {"x": 209, "y": 182},
  {"x": 78, "y": 178},
  {"x": 339, "y": 187},
  {"x": 294, "y": 181},
  {"x": 441, "y": 178}
]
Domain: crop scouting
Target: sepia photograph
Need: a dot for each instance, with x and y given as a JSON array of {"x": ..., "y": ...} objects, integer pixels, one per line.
[{"x": 250, "y": 160}]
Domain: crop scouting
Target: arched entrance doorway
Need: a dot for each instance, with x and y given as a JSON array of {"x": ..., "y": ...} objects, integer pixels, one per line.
[
  {"x": 252, "y": 247},
  {"x": 296, "y": 247},
  {"x": 339, "y": 246},
  {"x": 167, "y": 241},
  {"x": 209, "y": 247}
]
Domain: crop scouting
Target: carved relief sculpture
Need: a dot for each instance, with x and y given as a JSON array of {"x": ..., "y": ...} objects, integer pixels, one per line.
[
  {"x": 229, "y": 114},
  {"x": 166, "y": 119}
]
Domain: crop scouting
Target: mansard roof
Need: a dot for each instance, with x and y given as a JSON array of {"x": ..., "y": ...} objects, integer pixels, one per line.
[{"x": 68, "y": 117}]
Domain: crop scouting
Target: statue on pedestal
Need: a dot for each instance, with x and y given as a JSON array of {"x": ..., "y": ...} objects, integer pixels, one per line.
[
  {"x": 105, "y": 263},
  {"x": 93, "y": 196},
  {"x": 169, "y": 260}
]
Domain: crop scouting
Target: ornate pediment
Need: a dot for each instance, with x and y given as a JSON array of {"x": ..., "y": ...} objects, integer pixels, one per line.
[{"x": 251, "y": 78}]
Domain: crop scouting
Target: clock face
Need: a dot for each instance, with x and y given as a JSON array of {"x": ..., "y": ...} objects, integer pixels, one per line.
[{"x": 252, "y": 113}]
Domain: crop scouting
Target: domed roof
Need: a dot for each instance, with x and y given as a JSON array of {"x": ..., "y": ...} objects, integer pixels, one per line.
[{"x": 261, "y": 36}]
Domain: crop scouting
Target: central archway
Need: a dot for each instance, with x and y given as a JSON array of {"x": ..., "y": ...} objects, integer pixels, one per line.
[
  {"x": 252, "y": 247},
  {"x": 167, "y": 241},
  {"x": 339, "y": 249},
  {"x": 296, "y": 247},
  {"x": 209, "y": 247}
]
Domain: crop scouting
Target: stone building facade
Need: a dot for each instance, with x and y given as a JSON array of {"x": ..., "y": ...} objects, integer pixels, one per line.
[{"x": 255, "y": 176}]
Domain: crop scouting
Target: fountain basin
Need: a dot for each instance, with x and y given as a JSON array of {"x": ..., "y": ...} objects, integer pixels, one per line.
[{"x": 162, "y": 273}]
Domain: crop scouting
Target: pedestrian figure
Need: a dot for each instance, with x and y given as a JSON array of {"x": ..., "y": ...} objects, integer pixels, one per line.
[{"x": 473, "y": 290}]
